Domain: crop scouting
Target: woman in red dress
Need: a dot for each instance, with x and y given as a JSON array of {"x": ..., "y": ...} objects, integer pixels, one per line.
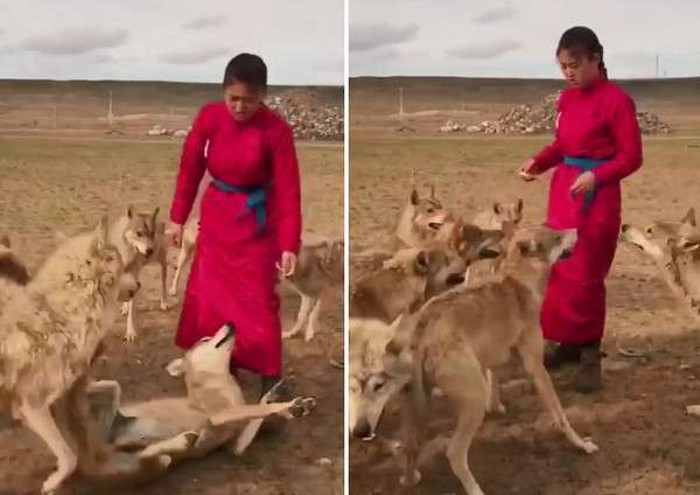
[
  {"x": 250, "y": 219},
  {"x": 597, "y": 144}
]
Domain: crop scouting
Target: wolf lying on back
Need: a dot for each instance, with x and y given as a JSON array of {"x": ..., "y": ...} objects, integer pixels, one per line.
[
  {"x": 438, "y": 348},
  {"x": 145, "y": 439},
  {"x": 51, "y": 330}
]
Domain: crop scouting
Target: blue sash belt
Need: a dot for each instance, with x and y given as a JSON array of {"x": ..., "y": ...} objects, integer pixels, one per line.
[
  {"x": 256, "y": 199},
  {"x": 585, "y": 165}
]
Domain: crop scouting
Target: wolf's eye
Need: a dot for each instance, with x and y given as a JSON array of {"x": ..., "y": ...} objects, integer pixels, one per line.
[
  {"x": 139, "y": 233},
  {"x": 377, "y": 386},
  {"x": 431, "y": 210},
  {"x": 109, "y": 259}
]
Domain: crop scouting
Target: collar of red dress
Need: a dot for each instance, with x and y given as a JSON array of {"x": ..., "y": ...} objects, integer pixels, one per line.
[{"x": 601, "y": 81}]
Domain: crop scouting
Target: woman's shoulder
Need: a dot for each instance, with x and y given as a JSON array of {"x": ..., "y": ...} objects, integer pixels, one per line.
[
  {"x": 614, "y": 92},
  {"x": 276, "y": 123}
]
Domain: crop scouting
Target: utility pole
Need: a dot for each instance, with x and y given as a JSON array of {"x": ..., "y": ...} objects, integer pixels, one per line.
[{"x": 657, "y": 66}]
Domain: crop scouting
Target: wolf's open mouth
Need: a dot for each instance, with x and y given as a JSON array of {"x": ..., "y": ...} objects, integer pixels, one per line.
[
  {"x": 230, "y": 331},
  {"x": 435, "y": 225}
]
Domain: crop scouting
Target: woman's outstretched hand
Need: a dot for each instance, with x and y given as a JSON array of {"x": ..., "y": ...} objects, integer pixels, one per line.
[
  {"x": 287, "y": 264},
  {"x": 526, "y": 170},
  {"x": 175, "y": 234}
]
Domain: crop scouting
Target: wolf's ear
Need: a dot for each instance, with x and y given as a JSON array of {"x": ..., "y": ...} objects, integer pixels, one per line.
[
  {"x": 432, "y": 191},
  {"x": 130, "y": 211},
  {"x": 414, "y": 197},
  {"x": 520, "y": 205},
  {"x": 421, "y": 263},
  {"x": 5, "y": 241},
  {"x": 101, "y": 234},
  {"x": 689, "y": 217},
  {"x": 497, "y": 208},
  {"x": 176, "y": 367},
  {"x": 155, "y": 216}
]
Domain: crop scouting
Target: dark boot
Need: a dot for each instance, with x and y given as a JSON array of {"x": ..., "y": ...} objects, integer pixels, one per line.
[
  {"x": 588, "y": 379},
  {"x": 558, "y": 355}
]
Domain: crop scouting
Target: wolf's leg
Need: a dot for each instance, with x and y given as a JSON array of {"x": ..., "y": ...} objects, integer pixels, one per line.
[
  {"x": 313, "y": 320},
  {"x": 130, "y": 335},
  {"x": 164, "y": 281},
  {"x": 302, "y": 316},
  {"x": 41, "y": 422},
  {"x": 297, "y": 407},
  {"x": 531, "y": 351}
]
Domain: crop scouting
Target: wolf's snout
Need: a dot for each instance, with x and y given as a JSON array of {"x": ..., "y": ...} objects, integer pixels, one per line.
[
  {"x": 362, "y": 431},
  {"x": 149, "y": 252},
  {"x": 625, "y": 227}
]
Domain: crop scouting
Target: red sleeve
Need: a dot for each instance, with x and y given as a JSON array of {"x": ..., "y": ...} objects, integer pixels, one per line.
[
  {"x": 628, "y": 140},
  {"x": 548, "y": 157},
  {"x": 192, "y": 167},
  {"x": 286, "y": 188}
]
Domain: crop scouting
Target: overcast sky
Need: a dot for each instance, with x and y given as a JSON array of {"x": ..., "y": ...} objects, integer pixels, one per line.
[
  {"x": 173, "y": 40},
  {"x": 517, "y": 38}
]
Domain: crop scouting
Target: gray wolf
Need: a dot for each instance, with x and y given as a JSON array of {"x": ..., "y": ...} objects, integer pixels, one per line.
[
  {"x": 461, "y": 334},
  {"x": 51, "y": 330}
]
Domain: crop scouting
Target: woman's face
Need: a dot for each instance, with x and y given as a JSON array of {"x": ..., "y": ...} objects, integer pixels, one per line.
[
  {"x": 579, "y": 70},
  {"x": 242, "y": 100}
]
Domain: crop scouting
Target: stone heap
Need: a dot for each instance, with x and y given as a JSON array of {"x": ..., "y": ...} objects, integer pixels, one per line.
[
  {"x": 541, "y": 118},
  {"x": 310, "y": 118}
]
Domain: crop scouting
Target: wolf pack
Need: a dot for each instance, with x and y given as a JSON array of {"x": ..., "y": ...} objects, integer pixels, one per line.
[
  {"x": 440, "y": 315},
  {"x": 54, "y": 325}
]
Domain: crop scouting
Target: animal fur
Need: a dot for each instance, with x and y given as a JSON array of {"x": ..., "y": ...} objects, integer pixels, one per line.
[
  {"x": 51, "y": 331},
  {"x": 11, "y": 267},
  {"x": 458, "y": 336},
  {"x": 320, "y": 266}
]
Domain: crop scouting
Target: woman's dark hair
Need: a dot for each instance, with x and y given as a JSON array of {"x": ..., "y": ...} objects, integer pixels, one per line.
[
  {"x": 581, "y": 41},
  {"x": 246, "y": 68}
]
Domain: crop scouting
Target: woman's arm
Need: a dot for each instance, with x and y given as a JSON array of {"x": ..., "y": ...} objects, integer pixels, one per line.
[
  {"x": 286, "y": 187},
  {"x": 192, "y": 167},
  {"x": 628, "y": 139},
  {"x": 547, "y": 158}
]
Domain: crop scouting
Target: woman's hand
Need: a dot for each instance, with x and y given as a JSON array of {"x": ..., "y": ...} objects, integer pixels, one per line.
[
  {"x": 583, "y": 184},
  {"x": 175, "y": 234},
  {"x": 526, "y": 170},
  {"x": 288, "y": 264}
]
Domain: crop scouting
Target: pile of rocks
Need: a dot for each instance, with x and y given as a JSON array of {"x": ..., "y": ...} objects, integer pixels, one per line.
[
  {"x": 310, "y": 118},
  {"x": 523, "y": 119},
  {"x": 649, "y": 123},
  {"x": 159, "y": 130},
  {"x": 451, "y": 126},
  {"x": 541, "y": 118}
]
